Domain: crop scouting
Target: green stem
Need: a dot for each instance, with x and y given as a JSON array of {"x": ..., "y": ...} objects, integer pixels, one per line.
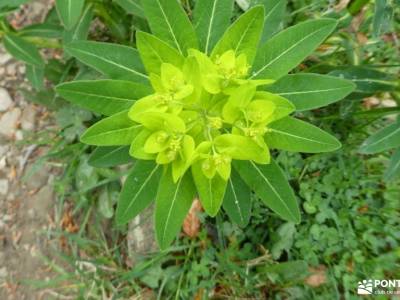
[{"x": 183, "y": 273}]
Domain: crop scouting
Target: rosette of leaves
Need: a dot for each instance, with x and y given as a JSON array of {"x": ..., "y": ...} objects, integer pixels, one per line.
[{"x": 200, "y": 106}]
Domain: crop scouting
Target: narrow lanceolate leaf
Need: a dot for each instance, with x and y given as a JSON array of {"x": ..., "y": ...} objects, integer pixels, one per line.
[
  {"x": 211, "y": 191},
  {"x": 112, "y": 131},
  {"x": 170, "y": 23},
  {"x": 69, "y": 11},
  {"x": 298, "y": 136},
  {"x": 103, "y": 96},
  {"x": 270, "y": 184},
  {"x": 81, "y": 30},
  {"x": 107, "y": 157},
  {"x": 138, "y": 191},
  {"x": 155, "y": 52},
  {"x": 211, "y": 19},
  {"x": 243, "y": 36},
  {"x": 173, "y": 202},
  {"x": 287, "y": 49},
  {"x": 50, "y": 31},
  {"x": 274, "y": 15},
  {"x": 393, "y": 171},
  {"x": 132, "y": 7},
  {"x": 36, "y": 76},
  {"x": 309, "y": 91},
  {"x": 237, "y": 200},
  {"x": 23, "y": 50},
  {"x": 115, "y": 61},
  {"x": 385, "y": 139}
]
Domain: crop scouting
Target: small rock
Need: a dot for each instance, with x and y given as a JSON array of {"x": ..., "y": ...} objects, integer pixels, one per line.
[
  {"x": 5, "y": 99},
  {"x": 9, "y": 122},
  {"x": 3, "y": 150},
  {"x": 4, "y": 57},
  {"x": 3, "y": 186},
  {"x": 38, "y": 179},
  {"x": 3, "y": 272},
  {"x": 28, "y": 118}
]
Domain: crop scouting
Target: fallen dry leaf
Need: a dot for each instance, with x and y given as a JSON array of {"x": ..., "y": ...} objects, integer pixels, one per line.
[
  {"x": 191, "y": 224},
  {"x": 317, "y": 277}
]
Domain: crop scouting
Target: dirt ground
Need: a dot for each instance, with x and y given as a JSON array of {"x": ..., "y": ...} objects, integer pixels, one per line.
[{"x": 26, "y": 207}]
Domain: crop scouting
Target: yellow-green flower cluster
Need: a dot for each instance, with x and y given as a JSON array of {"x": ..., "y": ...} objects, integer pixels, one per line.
[{"x": 206, "y": 112}]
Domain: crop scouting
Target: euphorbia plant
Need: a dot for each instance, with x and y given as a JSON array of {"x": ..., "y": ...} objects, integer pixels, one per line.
[{"x": 201, "y": 107}]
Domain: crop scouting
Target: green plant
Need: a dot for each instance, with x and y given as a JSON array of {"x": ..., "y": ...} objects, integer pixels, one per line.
[{"x": 183, "y": 102}]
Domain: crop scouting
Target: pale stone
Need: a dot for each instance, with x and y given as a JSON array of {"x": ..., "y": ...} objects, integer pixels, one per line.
[{"x": 5, "y": 100}]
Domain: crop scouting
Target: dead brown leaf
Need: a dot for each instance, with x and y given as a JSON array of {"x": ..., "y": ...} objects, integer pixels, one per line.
[
  {"x": 317, "y": 277},
  {"x": 192, "y": 224}
]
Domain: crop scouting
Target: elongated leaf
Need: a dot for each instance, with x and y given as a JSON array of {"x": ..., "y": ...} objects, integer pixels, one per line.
[
  {"x": 112, "y": 131},
  {"x": 274, "y": 15},
  {"x": 298, "y": 136},
  {"x": 211, "y": 191},
  {"x": 243, "y": 36},
  {"x": 50, "y": 31},
  {"x": 368, "y": 81},
  {"x": 22, "y": 50},
  {"x": 287, "y": 49},
  {"x": 211, "y": 19},
  {"x": 385, "y": 139},
  {"x": 69, "y": 11},
  {"x": 107, "y": 157},
  {"x": 36, "y": 76},
  {"x": 237, "y": 200},
  {"x": 170, "y": 23},
  {"x": 81, "y": 30},
  {"x": 139, "y": 190},
  {"x": 103, "y": 96},
  {"x": 131, "y": 6},
  {"x": 115, "y": 61},
  {"x": 270, "y": 184},
  {"x": 309, "y": 91},
  {"x": 154, "y": 52},
  {"x": 393, "y": 171},
  {"x": 173, "y": 202},
  {"x": 383, "y": 16}
]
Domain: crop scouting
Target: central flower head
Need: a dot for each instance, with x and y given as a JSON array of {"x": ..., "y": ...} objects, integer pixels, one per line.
[{"x": 204, "y": 112}]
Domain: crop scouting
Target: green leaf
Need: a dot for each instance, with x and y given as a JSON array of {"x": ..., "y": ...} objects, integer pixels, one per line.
[
  {"x": 393, "y": 171},
  {"x": 287, "y": 49},
  {"x": 103, "y": 96},
  {"x": 155, "y": 52},
  {"x": 81, "y": 30},
  {"x": 173, "y": 202},
  {"x": 237, "y": 200},
  {"x": 36, "y": 76},
  {"x": 242, "y": 36},
  {"x": 131, "y": 6},
  {"x": 211, "y": 19},
  {"x": 115, "y": 61},
  {"x": 170, "y": 23},
  {"x": 385, "y": 139},
  {"x": 22, "y": 50},
  {"x": 107, "y": 157},
  {"x": 138, "y": 190},
  {"x": 368, "y": 81},
  {"x": 309, "y": 91},
  {"x": 211, "y": 191},
  {"x": 298, "y": 136},
  {"x": 112, "y": 131},
  {"x": 50, "y": 31},
  {"x": 269, "y": 183},
  {"x": 383, "y": 17},
  {"x": 274, "y": 14},
  {"x": 69, "y": 11}
]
